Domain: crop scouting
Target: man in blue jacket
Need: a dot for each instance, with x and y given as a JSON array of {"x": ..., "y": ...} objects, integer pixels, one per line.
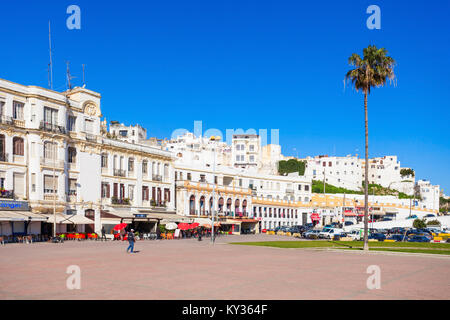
[{"x": 131, "y": 241}]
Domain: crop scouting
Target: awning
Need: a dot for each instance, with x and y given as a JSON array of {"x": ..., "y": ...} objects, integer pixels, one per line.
[
  {"x": 60, "y": 219},
  {"x": 33, "y": 216},
  {"x": 80, "y": 219},
  {"x": 12, "y": 216},
  {"x": 122, "y": 213}
]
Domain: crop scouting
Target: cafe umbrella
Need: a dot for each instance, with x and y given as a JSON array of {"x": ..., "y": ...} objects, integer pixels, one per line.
[
  {"x": 120, "y": 226},
  {"x": 171, "y": 226}
]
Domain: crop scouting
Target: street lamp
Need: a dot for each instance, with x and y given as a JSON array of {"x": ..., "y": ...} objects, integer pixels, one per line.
[
  {"x": 213, "y": 138},
  {"x": 55, "y": 150}
]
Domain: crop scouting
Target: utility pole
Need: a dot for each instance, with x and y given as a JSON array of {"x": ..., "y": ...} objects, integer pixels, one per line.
[
  {"x": 343, "y": 210},
  {"x": 50, "y": 66},
  {"x": 69, "y": 84},
  {"x": 324, "y": 181},
  {"x": 84, "y": 82},
  {"x": 55, "y": 148}
]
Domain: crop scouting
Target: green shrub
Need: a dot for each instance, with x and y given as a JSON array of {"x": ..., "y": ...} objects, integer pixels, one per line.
[{"x": 419, "y": 224}]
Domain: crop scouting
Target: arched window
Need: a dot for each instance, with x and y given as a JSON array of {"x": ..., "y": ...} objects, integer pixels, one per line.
[
  {"x": 18, "y": 146},
  {"x": 192, "y": 205}
]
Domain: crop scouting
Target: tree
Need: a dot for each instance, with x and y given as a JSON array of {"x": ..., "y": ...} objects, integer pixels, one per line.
[
  {"x": 370, "y": 71},
  {"x": 419, "y": 224}
]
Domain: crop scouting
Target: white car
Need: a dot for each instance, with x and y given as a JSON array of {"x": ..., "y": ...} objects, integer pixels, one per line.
[
  {"x": 329, "y": 233},
  {"x": 355, "y": 234}
]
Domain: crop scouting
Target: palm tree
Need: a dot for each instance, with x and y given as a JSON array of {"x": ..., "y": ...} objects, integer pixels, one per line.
[{"x": 371, "y": 71}]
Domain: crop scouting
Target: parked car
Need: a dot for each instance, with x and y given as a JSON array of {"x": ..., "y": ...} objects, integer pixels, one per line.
[
  {"x": 311, "y": 234},
  {"x": 386, "y": 219},
  {"x": 397, "y": 230},
  {"x": 348, "y": 223},
  {"x": 329, "y": 233},
  {"x": 377, "y": 236},
  {"x": 412, "y": 217},
  {"x": 430, "y": 215},
  {"x": 418, "y": 238},
  {"x": 355, "y": 234},
  {"x": 397, "y": 237}
]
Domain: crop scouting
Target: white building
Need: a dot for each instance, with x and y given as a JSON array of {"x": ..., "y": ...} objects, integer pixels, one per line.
[
  {"x": 54, "y": 157},
  {"x": 246, "y": 151},
  {"x": 342, "y": 172},
  {"x": 133, "y": 134},
  {"x": 429, "y": 194}
]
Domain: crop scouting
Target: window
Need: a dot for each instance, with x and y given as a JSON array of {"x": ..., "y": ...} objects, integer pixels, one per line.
[
  {"x": 105, "y": 190},
  {"x": 252, "y": 147},
  {"x": 329, "y": 163},
  {"x": 306, "y": 187},
  {"x": 131, "y": 192},
  {"x": 48, "y": 184},
  {"x": 189, "y": 177},
  {"x": 72, "y": 155},
  {"x": 88, "y": 125},
  {"x": 18, "y": 110},
  {"x": 18, "y": 146},
  {"x": 300, "y": 187},
  {"x": 19, "y": 184},
  {"x": 252, "y": 158},
  {"x": 33, "y": 182},
  {"x": 131, "y": 164},
  {"x": 123, "y": 133},
  {"x": 2, "y": 104},
  {"x": 144, "y": 167},
  {"x": 145, "y": 193},
  {"x": 49, "y": 150},
  {"x": 50, "y": 116},
  {"x": 104, "y": 160},
  {"x": 72, "y": 187},
  {"x": 71, "y": 120},
  {"x": 324, "y": 164}
]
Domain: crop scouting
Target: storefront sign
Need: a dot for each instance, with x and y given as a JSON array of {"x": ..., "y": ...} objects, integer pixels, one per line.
[
  {"x": 14, "y": 205},
  {"x": 140, "y": 215}
]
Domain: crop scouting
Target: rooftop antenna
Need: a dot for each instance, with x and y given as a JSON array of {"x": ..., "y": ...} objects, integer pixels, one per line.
[
  {"x": 69, "y": 77},
  {"x": 84, "y": 82},
  {"x": 50, "y": 65}
]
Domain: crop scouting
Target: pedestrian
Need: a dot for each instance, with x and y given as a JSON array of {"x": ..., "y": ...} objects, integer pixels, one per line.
[
  {"x": 122, "y": 234},
  {"x": 103, "y": 233},
  {"x": 199, "y": 232},
  {"x": 131, "y": 241}
]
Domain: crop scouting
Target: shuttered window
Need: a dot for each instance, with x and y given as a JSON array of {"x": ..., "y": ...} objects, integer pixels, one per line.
[
  {"x": 19, "y": 184},
  {"x": 18, "y": 146},
  {"x": 48, "y": 184},
  {"x": 18, "y": 110},
  {"x": 72, "y": 187},
  {"x": 49, "y": 150}
]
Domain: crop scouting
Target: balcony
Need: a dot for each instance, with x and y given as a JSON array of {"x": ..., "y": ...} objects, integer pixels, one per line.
[
  {"x": 156, "y": 177},
  {"x": 120, "y": 173},
  {"x": 124, "y": 201},
  {"x": 18, "y": 159},
  {"x": 50, "y": 127},
  {"x": 72, "y": 196},
  {"x": 91, "y": 137},
  {"x": 105, "y": 170},
  {"x": 19, "y": 123},
  {"x": 6, "y": 120},
  {"x": 4, "y": 157},
  {"x": 6, "y": 194},
  {"x": 72, "y": 166},
  {"x": 51, "y": 163},
  {"x": 48, "y": 195}
]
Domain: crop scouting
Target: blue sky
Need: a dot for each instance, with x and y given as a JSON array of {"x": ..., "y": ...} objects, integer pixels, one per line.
[{"x": 250, "y": 64}]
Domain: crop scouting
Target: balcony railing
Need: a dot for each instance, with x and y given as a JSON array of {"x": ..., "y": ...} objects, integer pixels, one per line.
[
  {"x": 156, "y": 177},
  {"x": 18, "y": 159},
  {"x": 91, "y": 137},
  {"x": 4, "y": 157},
  {"x": 59, "y": 164},
  {"x": 19, "y": 123},
  {"x": 120, "y": 173},
  {"x": 47, "y": 126},
  {"x": 6, "y": 194},
  {"x": 6, "y": 120},
  {"x": 124, "y": 201}
]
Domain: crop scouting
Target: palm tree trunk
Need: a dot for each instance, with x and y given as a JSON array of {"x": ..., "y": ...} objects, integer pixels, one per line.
[{"x": 366, "y": 179}]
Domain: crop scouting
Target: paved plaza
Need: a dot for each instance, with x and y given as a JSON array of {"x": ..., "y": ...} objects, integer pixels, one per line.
[{"x": 189, "y": 269}]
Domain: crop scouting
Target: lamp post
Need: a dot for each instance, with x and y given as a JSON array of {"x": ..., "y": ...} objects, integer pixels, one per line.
[
  {"x": 55, "y": 149},
  {"x": 213, "y": 138}
]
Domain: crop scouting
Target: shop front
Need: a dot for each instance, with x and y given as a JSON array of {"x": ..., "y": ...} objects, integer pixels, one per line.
[{"x": 16, "y": 219}]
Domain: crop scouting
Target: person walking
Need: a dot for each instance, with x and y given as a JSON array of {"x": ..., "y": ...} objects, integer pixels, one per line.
[
  {"x": 131, "y": 241},
  {"x": 103, "y": 233}
]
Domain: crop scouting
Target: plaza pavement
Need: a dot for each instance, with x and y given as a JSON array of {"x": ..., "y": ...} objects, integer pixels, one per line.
[{"x": 189, "y": 269}]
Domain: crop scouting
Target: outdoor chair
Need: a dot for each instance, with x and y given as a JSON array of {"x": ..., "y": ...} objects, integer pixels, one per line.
[{"x": 145, "y": 236}]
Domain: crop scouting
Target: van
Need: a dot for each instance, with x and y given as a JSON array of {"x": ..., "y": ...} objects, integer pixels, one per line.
[{"x": 329, "y": 233}]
